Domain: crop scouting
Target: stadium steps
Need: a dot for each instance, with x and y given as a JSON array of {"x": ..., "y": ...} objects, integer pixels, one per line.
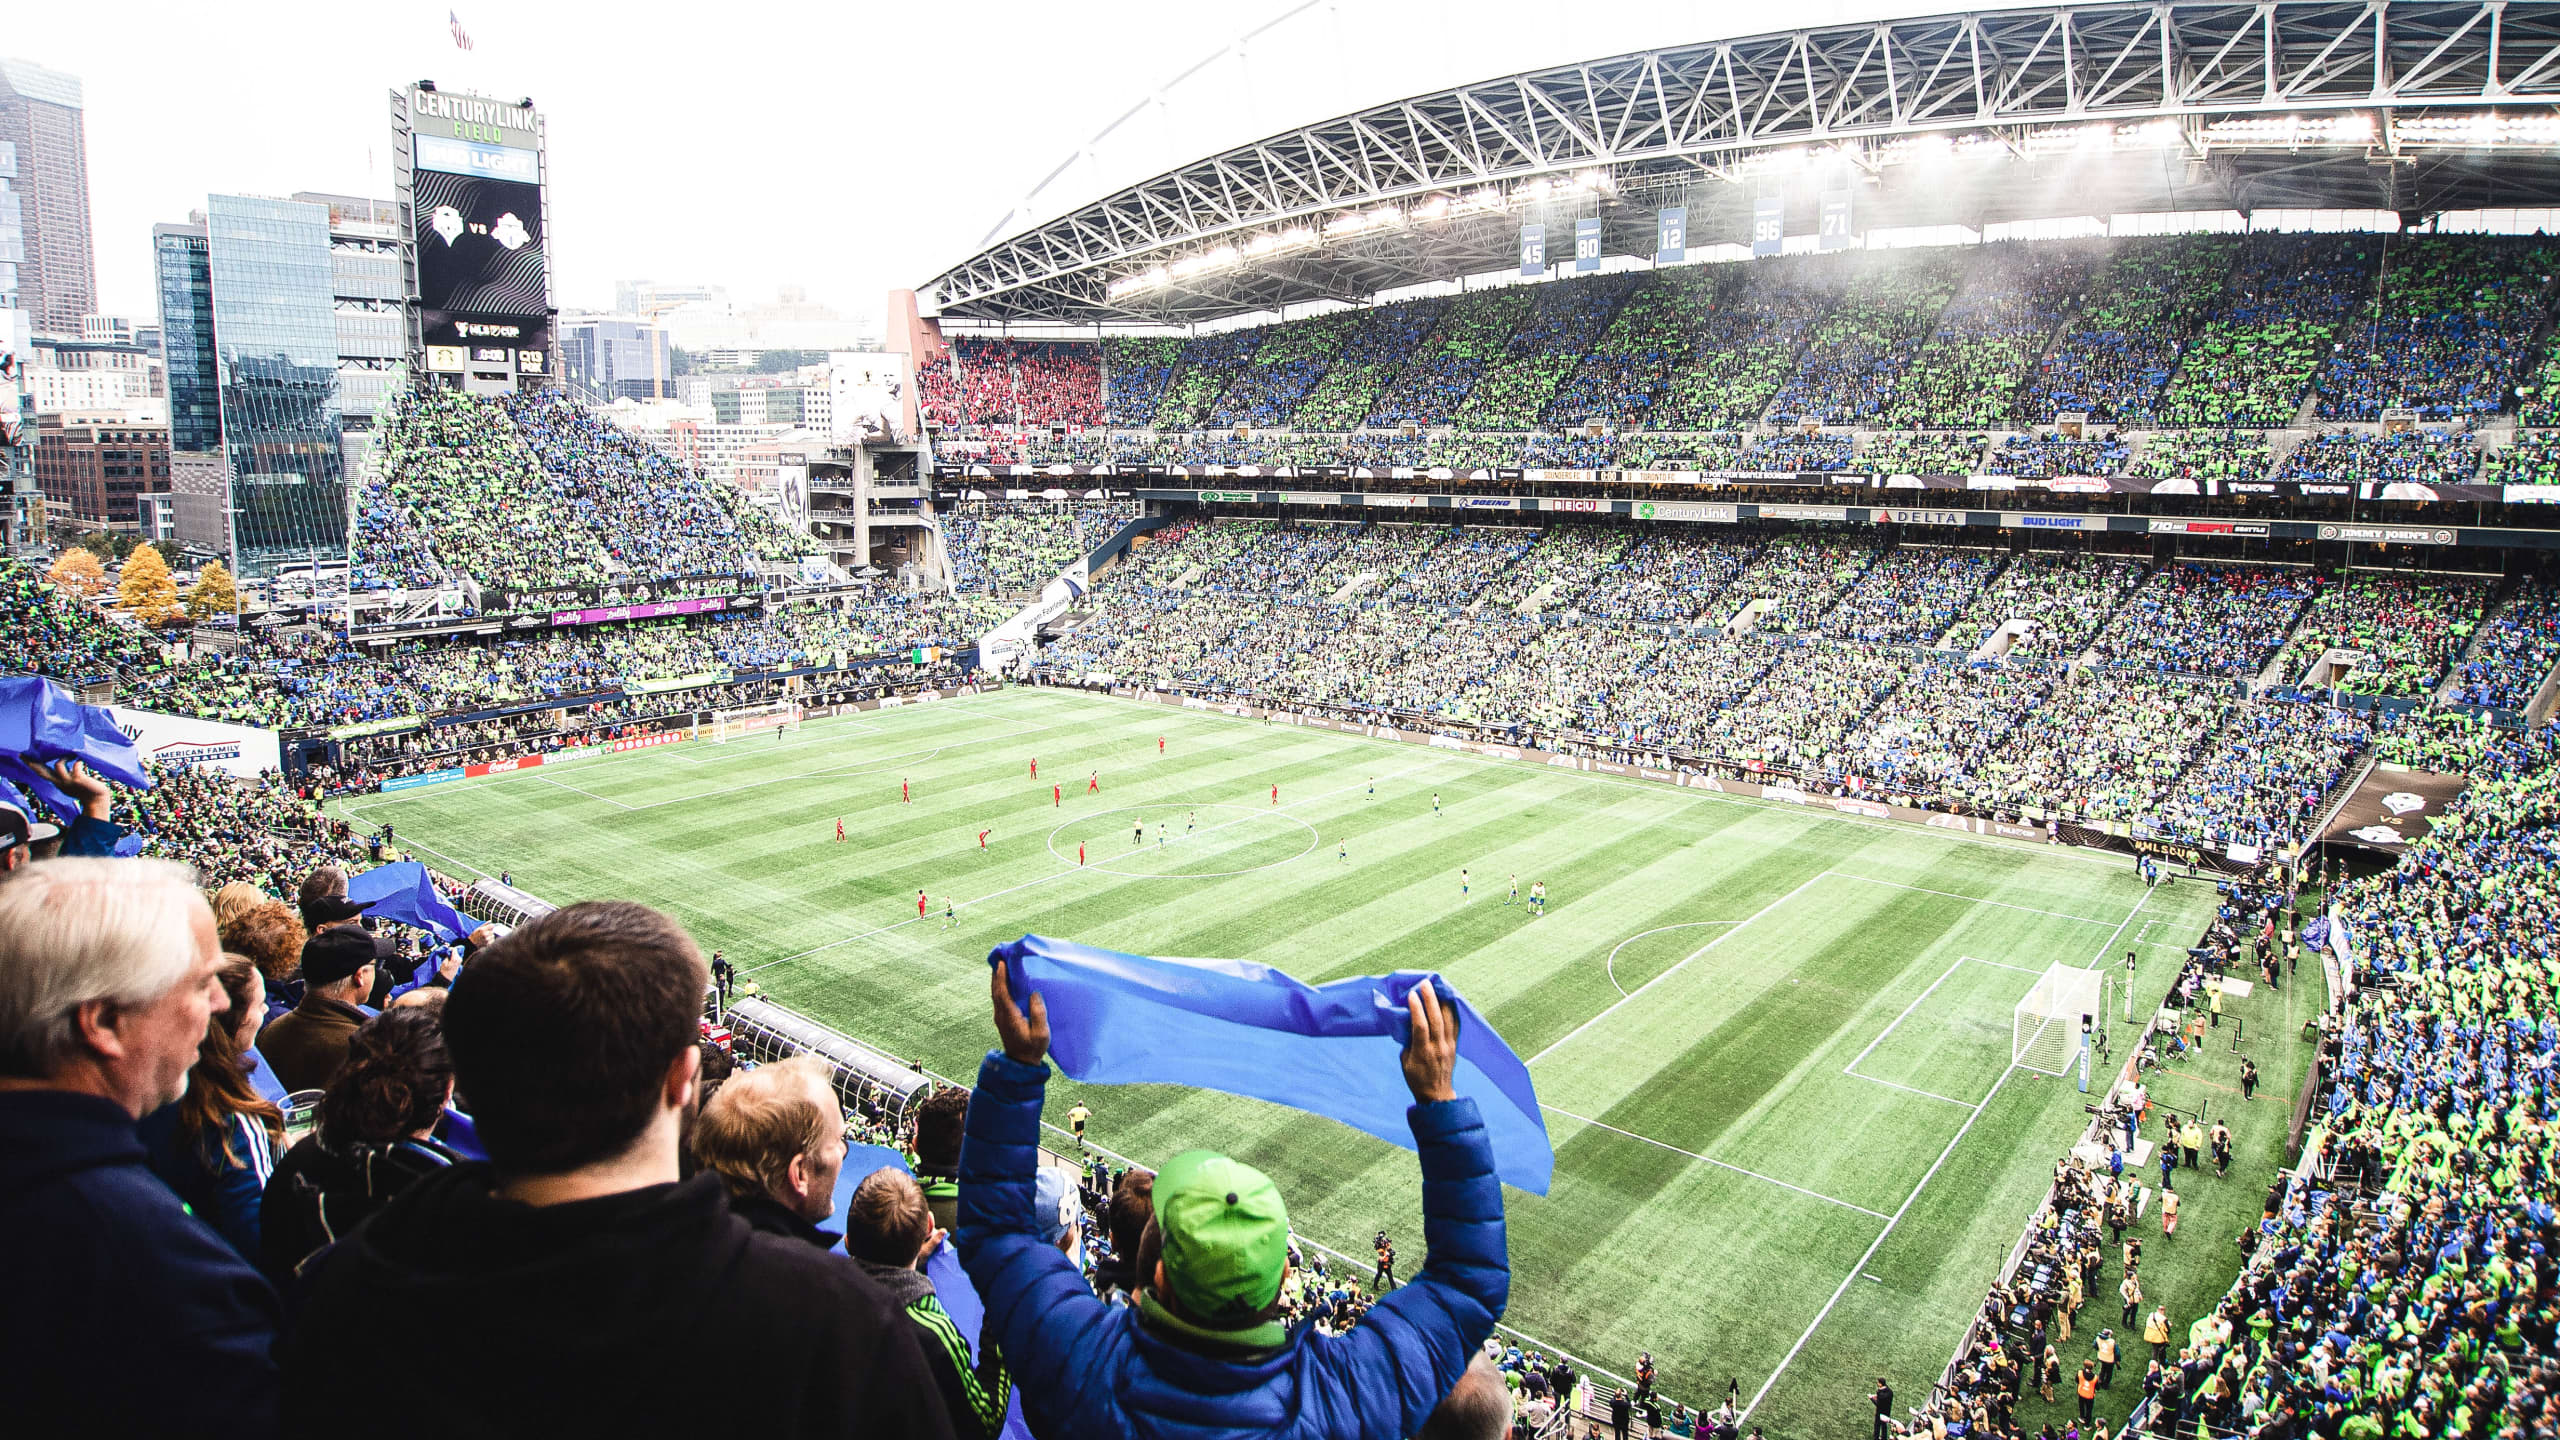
[{"x": 2508, "y": 589}]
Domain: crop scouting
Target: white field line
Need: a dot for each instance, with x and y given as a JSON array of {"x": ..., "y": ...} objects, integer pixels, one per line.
[
  {"x": 1914, "y": 1090},
  {"x": 1711, "y": 1160},
  {"x": 1976, "y": 899},
  {"x": 1730, "y": 931},
  {"x": 1890, "y": 1224},
  {"x": 1612, "y": 964},
  {"x": 1056, "y": 875},
  {"x": 408, "y": 844},
  {"x": 590, "y": 794},
  {"x": 2059, "y": 852},
  {"x": 1905, "y": 1208},
  {"x": 1852, "y": 1067}
]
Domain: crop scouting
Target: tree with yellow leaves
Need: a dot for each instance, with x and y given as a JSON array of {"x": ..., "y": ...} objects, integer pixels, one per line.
[
  {"x": 213, "y": 593},
  {"x": 78, "y": 572},
  {"x": 146, "y": 589}
]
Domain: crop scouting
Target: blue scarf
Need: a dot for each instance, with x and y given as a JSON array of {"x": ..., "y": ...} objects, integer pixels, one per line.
[{"x": 1247, "y": 1029}]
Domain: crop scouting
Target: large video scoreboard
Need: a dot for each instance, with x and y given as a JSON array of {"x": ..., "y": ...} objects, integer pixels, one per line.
[{"x": 474, "y": 217}]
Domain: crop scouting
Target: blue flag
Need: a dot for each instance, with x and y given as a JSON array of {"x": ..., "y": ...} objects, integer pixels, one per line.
[
  {"x": 41, "y": 724},
  {"x": 1248, "y": 1029},
  {"x": 403, "y": 892}
]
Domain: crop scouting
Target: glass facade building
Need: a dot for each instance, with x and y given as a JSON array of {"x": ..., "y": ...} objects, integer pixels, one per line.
[
  {"x": 275, "y": 332},
  {"x": 186, "y": 336}
]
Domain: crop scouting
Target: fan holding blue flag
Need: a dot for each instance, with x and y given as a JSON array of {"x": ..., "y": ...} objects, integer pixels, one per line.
[
  {"x": 61, "y": 754},
  {"x": 1208, "y": 1327}
]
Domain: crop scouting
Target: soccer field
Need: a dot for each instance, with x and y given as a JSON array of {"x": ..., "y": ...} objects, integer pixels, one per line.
[{"x": 1774, "y": 1043}]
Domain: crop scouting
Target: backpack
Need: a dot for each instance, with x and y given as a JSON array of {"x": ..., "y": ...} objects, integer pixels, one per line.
[{"x": 318, "y": 1195}]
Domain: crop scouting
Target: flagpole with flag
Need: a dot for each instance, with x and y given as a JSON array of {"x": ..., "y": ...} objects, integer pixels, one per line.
[{"x": 461, "y": 37}]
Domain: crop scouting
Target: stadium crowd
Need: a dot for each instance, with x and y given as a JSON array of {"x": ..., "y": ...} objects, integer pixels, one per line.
[
  {"x": 2402, "y": 1286},
  {"x": 536, "y": 492},
  {"x": 1817, "y": 655}
]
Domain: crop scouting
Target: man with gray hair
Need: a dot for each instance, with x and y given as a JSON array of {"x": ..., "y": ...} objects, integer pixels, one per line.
[{"x": 107, "y": 981}]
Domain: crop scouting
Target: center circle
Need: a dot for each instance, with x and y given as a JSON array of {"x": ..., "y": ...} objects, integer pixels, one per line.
[{"x": 1243, "y": 832}]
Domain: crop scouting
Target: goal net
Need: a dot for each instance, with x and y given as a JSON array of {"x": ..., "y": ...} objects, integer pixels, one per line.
[
  {"x": 2045, "y": 1031},
  {"x": 728, "y": 725}
]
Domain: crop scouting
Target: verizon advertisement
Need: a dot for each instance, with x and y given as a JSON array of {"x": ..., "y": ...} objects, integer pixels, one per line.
[{"x": 184, "y": 741}]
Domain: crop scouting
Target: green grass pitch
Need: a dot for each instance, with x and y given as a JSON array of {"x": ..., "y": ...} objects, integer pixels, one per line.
[{"x": 1774, "y": 1042}]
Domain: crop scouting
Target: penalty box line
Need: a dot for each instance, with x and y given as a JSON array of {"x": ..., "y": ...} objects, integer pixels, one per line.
[
  {"x": 1851, "y": 1069},
  {"x": 1905, "y": 1207}
]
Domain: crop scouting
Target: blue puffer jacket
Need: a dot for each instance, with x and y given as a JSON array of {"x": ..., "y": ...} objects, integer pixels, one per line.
[{"x": 1087, "y": 1369}]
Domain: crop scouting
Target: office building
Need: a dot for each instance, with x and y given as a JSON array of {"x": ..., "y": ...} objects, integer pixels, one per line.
[
  {"x": 21, "y": 502},
  {"x": 365, "y": 291},
  {"x": 616, "y": 357},
  {"x": 275, "y": 370},
  {"x": 283, "y": 332},
  {"x": 96, "y": 468},
  {"x": 57, "y": 280}
]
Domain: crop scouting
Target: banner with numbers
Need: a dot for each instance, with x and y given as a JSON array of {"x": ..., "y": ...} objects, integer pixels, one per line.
[
  {"x": 1671, "y": 237},
  {"x": 1835, "y": 220},
  {"x": 1586, "y": 246},
  {"x": 1533, "y": 250},
  {"x": 1768, "y": 223}
]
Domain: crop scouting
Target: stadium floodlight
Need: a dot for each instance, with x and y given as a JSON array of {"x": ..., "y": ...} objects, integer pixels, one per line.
[{"x": 2041, "y": 1035}]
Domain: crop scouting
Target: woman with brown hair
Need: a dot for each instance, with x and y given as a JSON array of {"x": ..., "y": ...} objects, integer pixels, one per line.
[
  {"x": 271, "y": 935},
  {"x": 215, "y": 1145},
  {"x": 376, "y": 1137}
]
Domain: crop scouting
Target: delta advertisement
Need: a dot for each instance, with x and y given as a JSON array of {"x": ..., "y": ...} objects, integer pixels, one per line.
[{"x": 184, "y": 741}]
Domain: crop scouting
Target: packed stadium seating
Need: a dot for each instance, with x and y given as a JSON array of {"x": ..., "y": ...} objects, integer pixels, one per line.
[
  {"x": 2445, "y": 335},
  {"x": 2013, "y": 298},
  {"x": 2262, "y": 343},
  {"x": 1286, "y": 367},
  {"x": 540, "y": 492},
  {"x": 2401, "y": 1275},
  {"x": 1471, "y": 334},
  {"x": 2411, "y": 627},
  {"x": 2123, "y": 345},
  {"x": 1012, "y": 547},
  {"x": 1815, "y": 654},
  {"x": 1013, "y": 382},
  {"x": 1135, "y": 372}
]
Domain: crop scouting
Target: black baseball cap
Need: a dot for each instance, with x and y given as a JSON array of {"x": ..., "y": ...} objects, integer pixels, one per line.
[
  {"x": 17, "y": 827},
  {"x": 329, "y": 909},
  {"x": 333, "y": 955}
]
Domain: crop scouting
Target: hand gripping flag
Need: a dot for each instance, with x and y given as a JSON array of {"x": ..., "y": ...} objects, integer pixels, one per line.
[
  {"x": 1248, "y": 1029},
  {"x": 403, "y": 893},
  {"x": 40, "y": 724}
]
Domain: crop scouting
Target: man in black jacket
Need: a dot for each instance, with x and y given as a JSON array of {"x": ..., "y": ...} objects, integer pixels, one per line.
[
  {"x": 775, "y": 1137},
  {"x": 573, "y": 1285},
  {"x": 125, "y": 1315}
]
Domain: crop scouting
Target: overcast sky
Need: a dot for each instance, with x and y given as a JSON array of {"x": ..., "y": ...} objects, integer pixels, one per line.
[{"x": 847, "y": 149}]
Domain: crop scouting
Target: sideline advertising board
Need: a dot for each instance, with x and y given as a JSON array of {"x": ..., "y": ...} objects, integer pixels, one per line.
[{"x": 240, "y": 750}]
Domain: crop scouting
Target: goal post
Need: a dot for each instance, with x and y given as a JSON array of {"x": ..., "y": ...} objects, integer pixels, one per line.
[
  {"x": 728, "y": 725},
  {"x": 2045, "y": 1028}
]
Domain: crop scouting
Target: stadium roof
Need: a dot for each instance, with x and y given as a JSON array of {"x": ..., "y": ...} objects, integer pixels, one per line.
[{"x": 2416, "y": 107}]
